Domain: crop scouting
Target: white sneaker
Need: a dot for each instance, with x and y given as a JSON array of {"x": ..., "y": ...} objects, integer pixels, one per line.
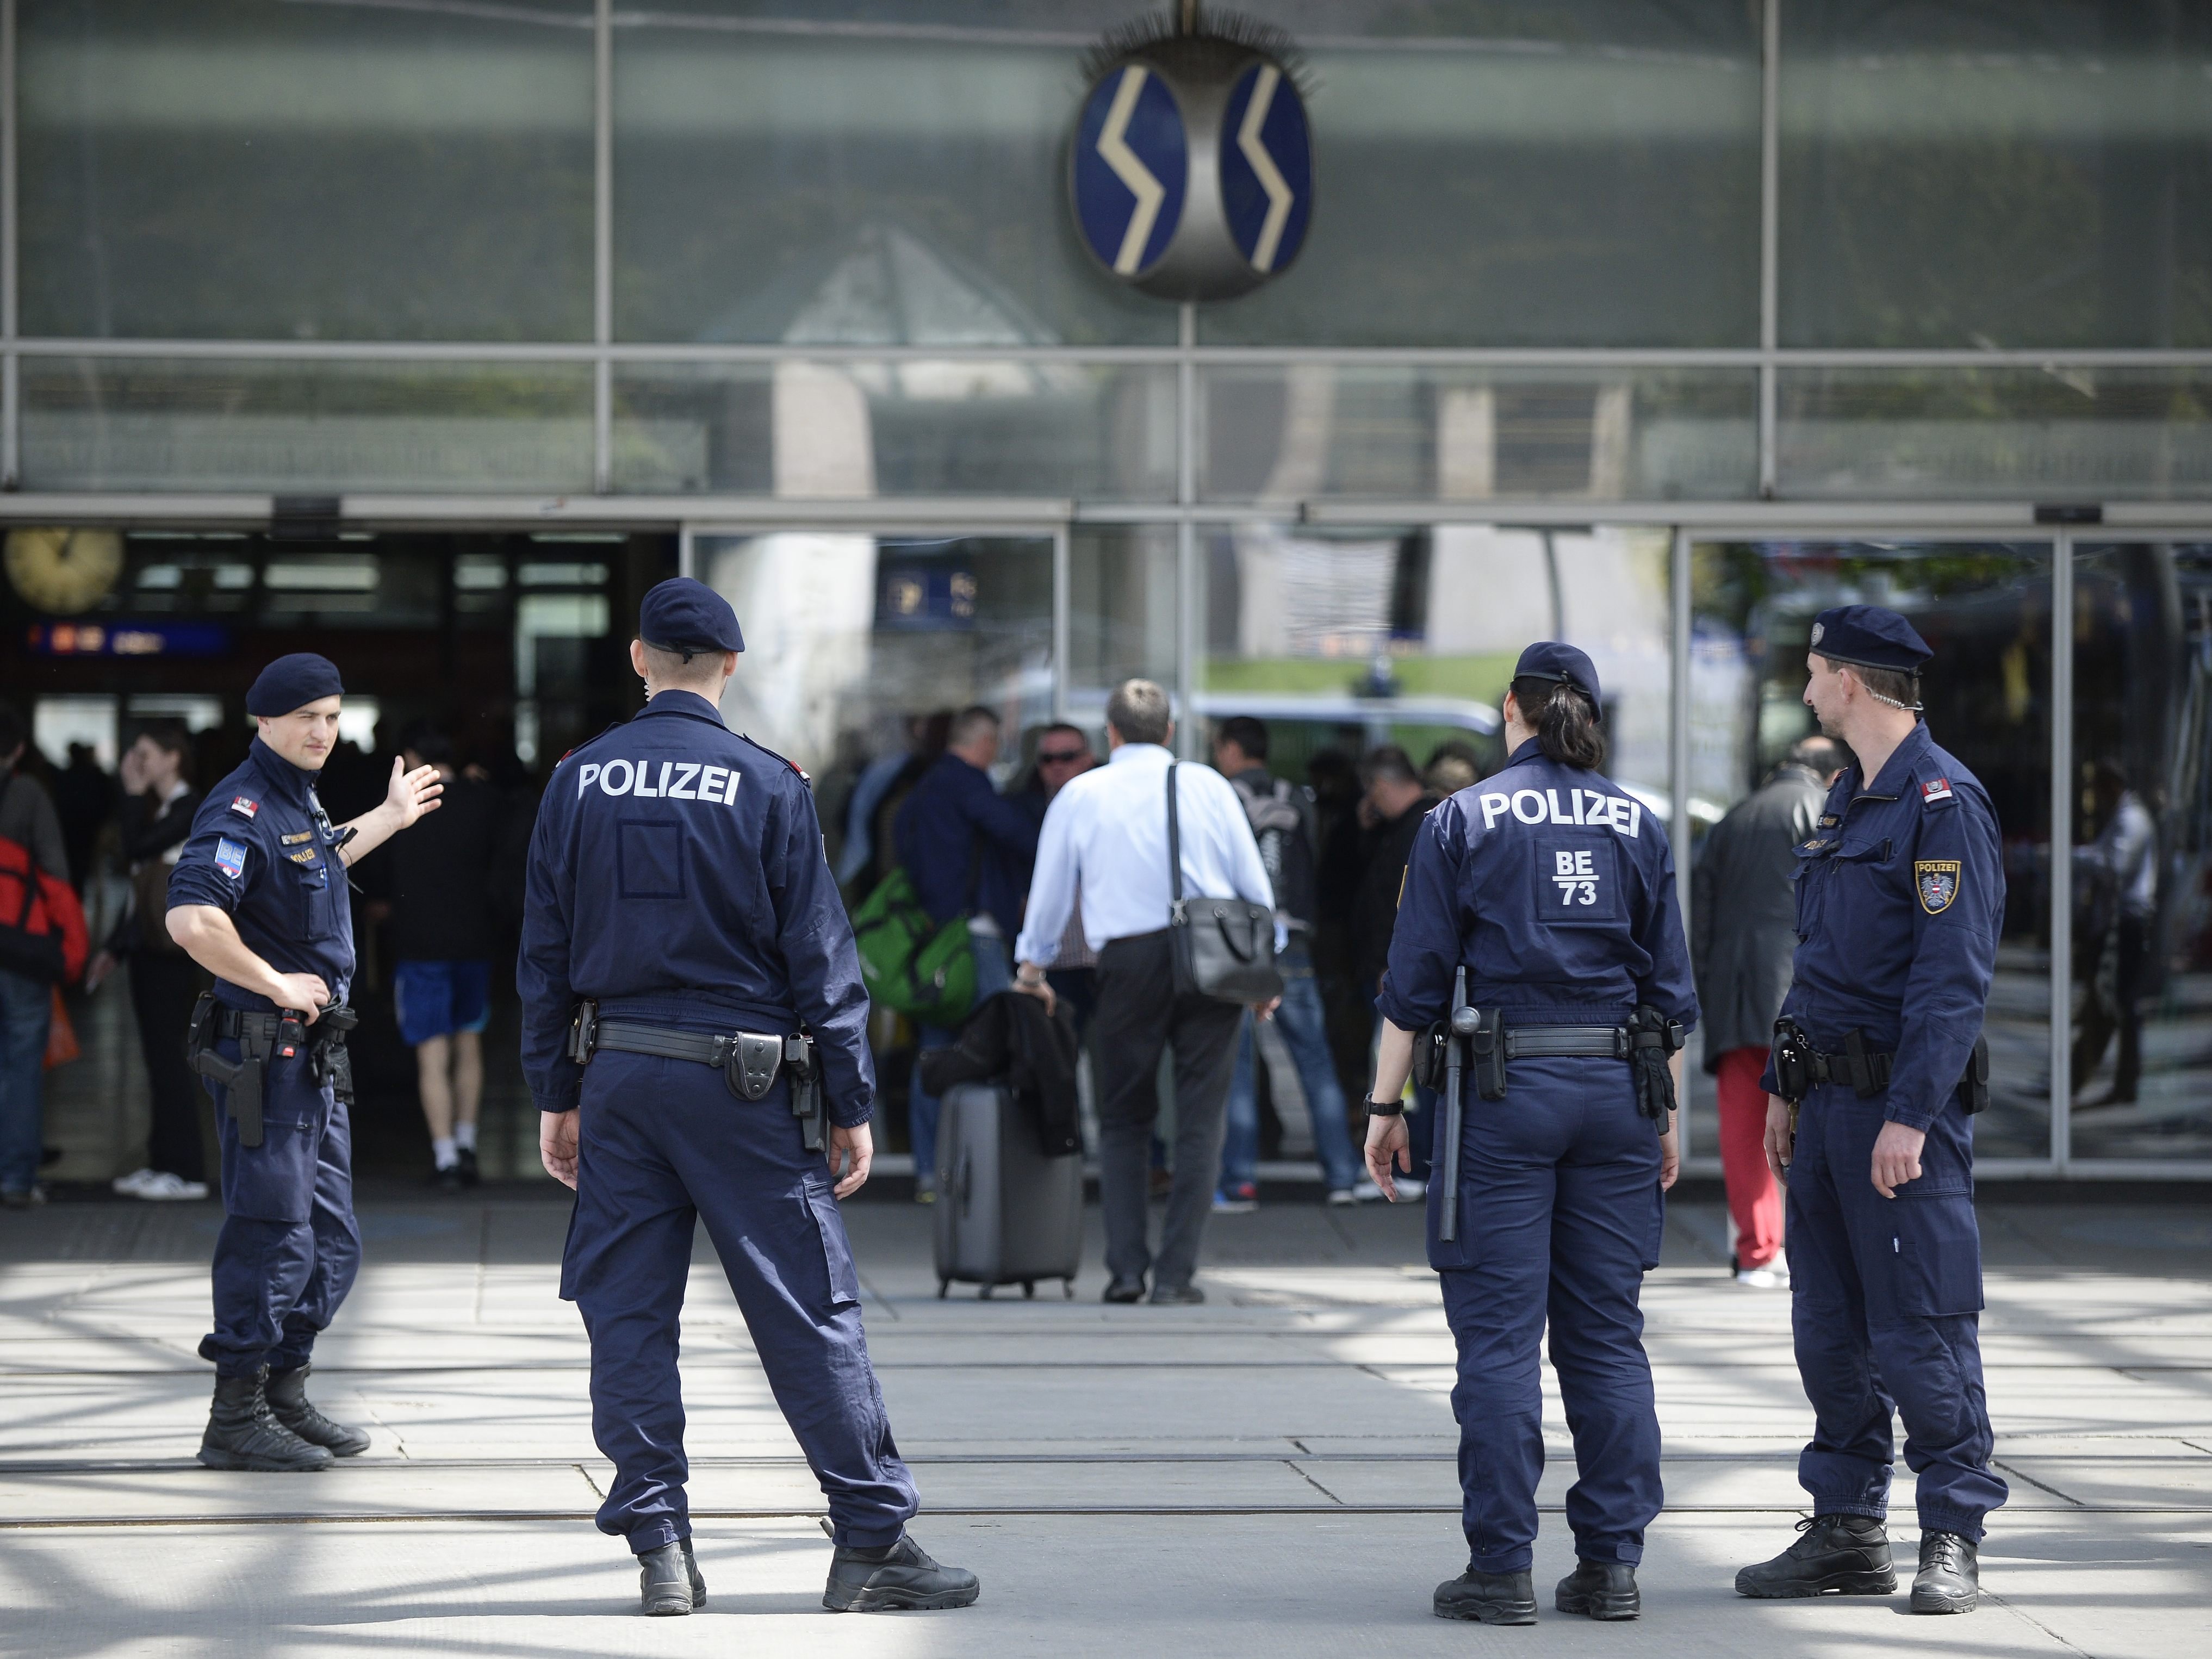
[
  {"x": 1366, "y": 1192},
  {"x": 128, "y": 1186},
  {"x": 1409, "y": 1189},
  {"x": 1773, "y": 1277},
  {"x": 1344, "y": 1197},
  {"x": 165, "y": 1188}
]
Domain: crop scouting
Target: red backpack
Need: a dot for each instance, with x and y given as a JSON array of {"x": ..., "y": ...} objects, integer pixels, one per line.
[{"x": 41, "y": 924}]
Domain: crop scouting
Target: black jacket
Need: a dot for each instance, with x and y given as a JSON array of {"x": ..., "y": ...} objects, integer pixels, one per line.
[
  {"x": 1743, "y": 910},
  {"x": 1374, "y": 908},
  {"x": 1011, "y": 1040}
]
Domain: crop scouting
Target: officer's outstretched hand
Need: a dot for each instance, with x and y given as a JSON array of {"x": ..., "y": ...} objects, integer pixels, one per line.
[
  {"x": 851, "y": 1151},
  {"x": 1897, "y": 1157},
  {"x": 556, "y": 1145},
  {"x": 413, "y": 793},
  {"x": 1388, "y": 1143}
]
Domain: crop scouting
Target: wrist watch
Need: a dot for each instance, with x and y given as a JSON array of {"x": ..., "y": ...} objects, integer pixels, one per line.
[
  {"x": 1385, "y": 1108},
  {"x": 1025, "y": 976}
]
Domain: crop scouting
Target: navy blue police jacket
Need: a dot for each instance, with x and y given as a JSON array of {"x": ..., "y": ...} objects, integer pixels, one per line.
[
  {"x": 676, "y": 863},
  {"x": 264, "y": 853},
  {"x": 1900, "y": 898},
  {"x": 1554, "y": 888}
]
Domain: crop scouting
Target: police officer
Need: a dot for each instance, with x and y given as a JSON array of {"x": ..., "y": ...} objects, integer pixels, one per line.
[
  {"x": 1551, "y": 889},
  {"x": 1900, "y": 895},
  {"x": 258, "y": 899},
  {"x": 691, "y": 1001}
]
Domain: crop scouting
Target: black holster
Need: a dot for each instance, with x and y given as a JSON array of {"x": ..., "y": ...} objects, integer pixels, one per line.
[
  {"x": 1432, "y": 1055},
  {"x": 327, "y": 1059},
  {"x": 1793, "y": 1063},
  {"x": 1485, "y": 1048},
  {"x": 241, "y": 1079},
  {"x": 584, "y": 1032},
  {"x": 1974, "y": 1087},
  {"x": 806, "y": 1096}
]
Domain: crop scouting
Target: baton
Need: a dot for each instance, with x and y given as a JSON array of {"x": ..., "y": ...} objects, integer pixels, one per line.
[{"x": 1445, "y": 1162}]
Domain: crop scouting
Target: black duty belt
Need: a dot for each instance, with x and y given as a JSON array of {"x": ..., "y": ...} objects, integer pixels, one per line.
[
  {"x": 749, "y": 1062},
  {"x": 261, "y": 1038},
  {"x": 1567, "y": 1042}
]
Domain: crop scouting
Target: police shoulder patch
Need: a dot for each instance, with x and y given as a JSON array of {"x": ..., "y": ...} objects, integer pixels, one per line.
[
  {"x": 1938, "y": 882},
  {"x": 243, "y": 807},
  {"x": 230, "y": 857},
  {"x": 1935, "y": 791}
]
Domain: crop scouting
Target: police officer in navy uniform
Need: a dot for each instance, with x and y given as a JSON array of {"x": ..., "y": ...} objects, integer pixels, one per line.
[
  {"x": 1900, "y": 897},
  {"x": 1553, "y": 889},
  {"x": 258, "y": 899},
  {"x": 691, "y": 1003}
]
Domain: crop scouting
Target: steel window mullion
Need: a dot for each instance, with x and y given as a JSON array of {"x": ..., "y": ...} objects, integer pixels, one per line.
[
  {"x": 11, "y": 377},
  {"x": 1677, "y": 756},
  {"x": 603, "y": 233},
  {"x": 1062, "y": 563},
  {"x": 1770, "y": 232},
  {"x": 2062, "y": 851}
]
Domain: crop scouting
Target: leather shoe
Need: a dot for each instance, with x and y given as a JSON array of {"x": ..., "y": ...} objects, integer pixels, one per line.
[
  {"x": 668, "y": 1581},
  {"x": 1488, "y": 1598},
  {"x": 1125, "y": 1290},
  {"x": 1950, "y": 1575},
  {"x": 1178, "y": 1296},
  {"x": 901, "y": 1579},
  {"x": 1603, "y": 1590},
  {"x": 1846, "y": 1554}
]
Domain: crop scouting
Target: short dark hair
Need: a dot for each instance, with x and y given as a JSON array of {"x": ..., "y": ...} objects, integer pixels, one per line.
[
  {"x": 1140, "y": 712},
  {"x": 1899, "y": 686},
  {"x": 1824, "y": 755},
  {"x": 1249, "y": 734},
  {"x": 1564, "y": 719},
  {"x": 673, "y": 663},
  {"x": 1389, "y": 761},
  {"x": 967, "y": 725}
]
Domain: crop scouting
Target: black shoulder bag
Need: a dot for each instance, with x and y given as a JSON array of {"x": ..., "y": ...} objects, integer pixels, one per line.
[{"x": 1224, "y": 948}]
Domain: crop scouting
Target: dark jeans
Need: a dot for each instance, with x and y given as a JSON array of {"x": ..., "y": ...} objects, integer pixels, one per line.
[
  {"x": 27, "y": 1008},
  {"x": 1139, "y": 1012},
  {"x": 162, "y": 991}
]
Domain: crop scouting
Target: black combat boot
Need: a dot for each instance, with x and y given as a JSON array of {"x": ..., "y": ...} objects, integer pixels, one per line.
[
  {"x": 1488, "y": 1598},
  {"x": 243, "y": 1433},
  {"x": 1950, "y": 1575},
  {"x": 1846, "y": 1554},
  {"x": 898, "y": 1578},
  {"x": 1603, "y": 1590},
  {"x": 668, "y": 1580},
  {"x": 287, "y": 1400}
]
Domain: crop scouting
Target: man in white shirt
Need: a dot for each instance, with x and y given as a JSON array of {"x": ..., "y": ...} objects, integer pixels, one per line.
[{"x": 1108, "y": 829}]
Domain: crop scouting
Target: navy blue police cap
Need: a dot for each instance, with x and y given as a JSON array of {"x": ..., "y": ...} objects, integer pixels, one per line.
[
  {"x": 682, "y": 613},
  {"x": 292, "y": 683},
  {"x": 1868, "y": 637},
  {"x": 1548, "y": 660}
]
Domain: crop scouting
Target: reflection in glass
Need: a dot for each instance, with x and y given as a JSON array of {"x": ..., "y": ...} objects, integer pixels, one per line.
[
  {"x": 1355, "y": 638},
  {"x": 1299, "y": 432},
  {"x": 238, "y": 170},
  {"x": 2033, "y": 174},
  {"x": 905, "y": 426},
  {"x": 1986, "y": 609},
  {"x": 852, "y": 641},
  {"x": 284, "y": 425},
  {"x": 2142, "y": 852},
  {"x": 1122, "y": 611},
  {"x": 2058, "y": 433}
]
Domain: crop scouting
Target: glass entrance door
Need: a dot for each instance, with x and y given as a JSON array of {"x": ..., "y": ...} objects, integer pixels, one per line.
[{"x": 1986, "y": 608}]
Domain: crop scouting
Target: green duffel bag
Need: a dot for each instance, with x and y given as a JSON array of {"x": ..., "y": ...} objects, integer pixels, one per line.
[{"x": 920, "y": 967}]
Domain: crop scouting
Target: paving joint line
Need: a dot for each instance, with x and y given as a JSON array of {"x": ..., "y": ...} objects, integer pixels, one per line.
[{"x": 2043, "y": 1485}]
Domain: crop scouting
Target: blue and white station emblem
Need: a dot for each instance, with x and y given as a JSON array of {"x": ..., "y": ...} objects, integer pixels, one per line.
[
  {"x": 1132, "y": 169},
  {"x": 1266, "y": 169}
]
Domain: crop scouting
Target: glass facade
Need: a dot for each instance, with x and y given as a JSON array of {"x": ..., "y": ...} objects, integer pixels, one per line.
[{"x": 1607, "y": 306}]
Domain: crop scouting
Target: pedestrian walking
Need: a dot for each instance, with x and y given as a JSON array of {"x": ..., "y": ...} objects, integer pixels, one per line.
[
  {"x": 1743, "y": 931},
  {"x": 159, "y": 807},
  {"x": 1539, "y": 924},
  {"x": 965, "y": 847},
  {"x": 1108, "y": 831},
  {"x": 441, "y": 883},
  {"x": 1877, "y": 1072},
  {"x": 1282, "y": 820},
  {"x": 1395, "y": 805},
  {"x": 258, "y": 899},
  {"x": 32, "y": 859},
  {"x": 692, "y": 1010}
]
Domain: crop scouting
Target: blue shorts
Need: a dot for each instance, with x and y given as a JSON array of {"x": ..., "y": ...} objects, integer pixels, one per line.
[{"x": 437, "y": 998}]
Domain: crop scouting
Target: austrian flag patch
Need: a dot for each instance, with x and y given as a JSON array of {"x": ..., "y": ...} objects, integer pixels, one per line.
[
  {"x": 1934, "y": 790},
  {"x": 1937, "y": 880},
  {"x": 243, "y": 807}
]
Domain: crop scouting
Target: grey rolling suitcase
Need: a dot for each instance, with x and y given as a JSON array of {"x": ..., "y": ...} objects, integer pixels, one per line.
[{"x": 1007, "y": 1214}]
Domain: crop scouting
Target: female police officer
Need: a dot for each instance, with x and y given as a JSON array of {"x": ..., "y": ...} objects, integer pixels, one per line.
[{"x": 1552, "y": 891}]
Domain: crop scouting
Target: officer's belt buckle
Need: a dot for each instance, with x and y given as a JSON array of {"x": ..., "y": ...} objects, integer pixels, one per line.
[{"x": 752, "y": 1064}]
